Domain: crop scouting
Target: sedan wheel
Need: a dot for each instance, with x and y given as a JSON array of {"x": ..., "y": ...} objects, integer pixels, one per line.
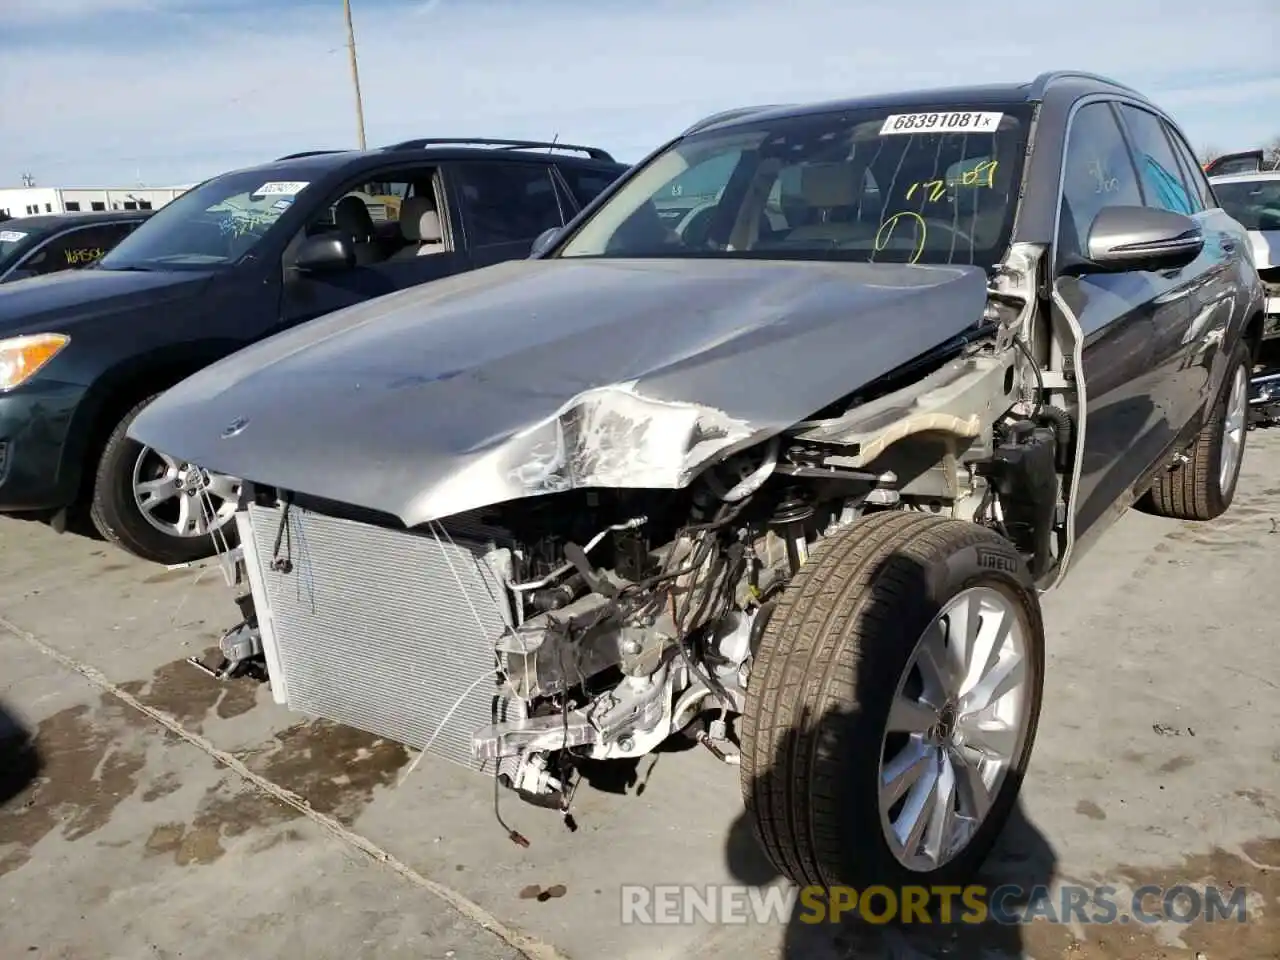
[
  {"x": 957, "y": 718},
  {"x": 1202, "y": 485},
  {"x": 1235, "y": 422},
  {"x": 892, "y": 704}
]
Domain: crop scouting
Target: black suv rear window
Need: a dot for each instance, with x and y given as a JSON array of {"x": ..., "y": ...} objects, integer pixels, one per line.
[{"x": 587, "y": 184}]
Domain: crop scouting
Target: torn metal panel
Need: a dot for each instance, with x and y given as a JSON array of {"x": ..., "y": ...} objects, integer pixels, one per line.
[
  {"x": 543, "y": 375},
  {"x": 961, "y": 399}
]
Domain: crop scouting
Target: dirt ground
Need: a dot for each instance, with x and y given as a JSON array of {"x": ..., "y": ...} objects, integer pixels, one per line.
[{"x": 164, "y": 815}]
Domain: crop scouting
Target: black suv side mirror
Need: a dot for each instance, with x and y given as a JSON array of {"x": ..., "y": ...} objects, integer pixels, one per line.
[
  {"x": 543, "y": 241},
  {"x": 1140, "y": 238},
  {"x": 325, "y": 254}
]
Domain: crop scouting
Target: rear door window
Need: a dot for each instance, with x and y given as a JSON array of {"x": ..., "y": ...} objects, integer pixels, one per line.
[
  {"x": 585, "y": 184},
  {"x": 1163, "y": 185},
  {"x": 1192, "y": 172},
  {"x": 505, "y": 202}
]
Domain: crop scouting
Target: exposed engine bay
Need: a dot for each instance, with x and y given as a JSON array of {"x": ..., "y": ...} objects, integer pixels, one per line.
[{"x": 594, "y": 624}]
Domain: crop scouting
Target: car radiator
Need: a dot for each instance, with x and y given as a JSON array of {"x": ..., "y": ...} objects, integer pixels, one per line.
[{"x": 379, "y": 629}]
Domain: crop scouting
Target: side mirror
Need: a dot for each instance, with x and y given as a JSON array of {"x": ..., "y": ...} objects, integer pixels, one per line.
[
  {"x": 542, "y": 243},
  {"x": 325, "y": 254},
  {"x": 1141, "y": 238}
]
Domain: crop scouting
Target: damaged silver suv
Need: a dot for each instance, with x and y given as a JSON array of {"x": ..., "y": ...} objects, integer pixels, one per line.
[{"x": 774, "y": 446}]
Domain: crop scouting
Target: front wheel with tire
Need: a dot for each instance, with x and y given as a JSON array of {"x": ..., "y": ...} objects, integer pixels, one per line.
[
  {"x": 1203, "y": 486},
  {"x": 156, "y": 507},
  {"x": 893, "y": 703}
]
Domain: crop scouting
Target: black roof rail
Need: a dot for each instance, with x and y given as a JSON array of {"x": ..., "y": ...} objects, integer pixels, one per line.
[
  {"x": 1041, "y": 83},
  {"x": 595, "y": 153},
  {"x": 307, "y": 153},
  {"x": 735, "y": 114}
]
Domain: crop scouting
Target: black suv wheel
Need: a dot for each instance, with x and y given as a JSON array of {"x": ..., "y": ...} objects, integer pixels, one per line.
[{"x": 156, "y": 507}]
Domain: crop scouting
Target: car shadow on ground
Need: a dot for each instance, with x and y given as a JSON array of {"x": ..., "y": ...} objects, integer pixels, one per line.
[
  {"x": 982, "y": 923},
  {"x": 74, "y": 521},
  {"x": 20, "y": 762},
  {"x": 1022, "y": 861}
]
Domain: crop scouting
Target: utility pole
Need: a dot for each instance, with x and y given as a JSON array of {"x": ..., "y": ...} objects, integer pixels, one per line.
[{"x": 355, "y": 70}]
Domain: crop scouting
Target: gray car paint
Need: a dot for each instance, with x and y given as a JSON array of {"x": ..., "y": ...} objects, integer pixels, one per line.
[
  {"x": 447, "y": 397},
  {"x": 1118, "y": 453}
]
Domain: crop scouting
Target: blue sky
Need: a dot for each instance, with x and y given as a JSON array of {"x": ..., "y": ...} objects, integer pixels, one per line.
[{"x": 113, "y": 92}]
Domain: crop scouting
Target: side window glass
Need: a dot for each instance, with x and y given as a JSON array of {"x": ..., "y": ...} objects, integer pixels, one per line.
[
  {"x": 506, "y": 202},
  {"x": 48, "y": 259},
  {"x": 1097, "y": 173},
  {"x": 1192, "y": 172},
  {"x": 76, "y": 249},
  {"x": 586, "y": 185},
  {"x": 1162, "y": 183},
  {"x": 383, "y": 218}
]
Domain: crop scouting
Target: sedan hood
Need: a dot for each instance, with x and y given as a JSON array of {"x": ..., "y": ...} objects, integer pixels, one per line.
[
  {"x": 60, "y": 299},
  {"x": 543, "y": 375}
]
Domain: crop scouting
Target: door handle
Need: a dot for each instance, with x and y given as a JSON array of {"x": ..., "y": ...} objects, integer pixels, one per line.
[{"x": 1228, "y": 246}]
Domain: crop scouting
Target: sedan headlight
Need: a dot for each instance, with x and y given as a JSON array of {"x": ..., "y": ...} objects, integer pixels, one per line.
[{"x": 22, "y": 357}]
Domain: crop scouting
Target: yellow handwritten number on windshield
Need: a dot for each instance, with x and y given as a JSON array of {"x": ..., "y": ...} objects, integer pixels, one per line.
[
  {"x": 885, "y": 233},
  {"x": 934, "y": 189},
  {"x": 975, "y": 178},
  {"x": 982, "y": 175}
]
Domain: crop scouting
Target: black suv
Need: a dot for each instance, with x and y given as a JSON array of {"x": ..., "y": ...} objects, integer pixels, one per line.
[
  {"x": 35, "y": 246},
  {"x": 236, "y": 259}
]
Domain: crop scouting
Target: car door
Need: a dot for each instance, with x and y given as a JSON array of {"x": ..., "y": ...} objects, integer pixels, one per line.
[
  {"x": 1194, "y": 312},
  {"x": 504, "y": 205},
  {"x": 72, "y": 249},
  {"x": 390, "y": 254},
  {"x": 1123, "y": 359}
]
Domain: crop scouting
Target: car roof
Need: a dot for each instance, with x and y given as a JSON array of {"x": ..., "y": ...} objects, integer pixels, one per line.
[
  {"x": 53, "y": 221},
  {"x": 1252, "y": 176},
  {"x": 316, "y": 163},
  {"x": 1071, "y": 83}
]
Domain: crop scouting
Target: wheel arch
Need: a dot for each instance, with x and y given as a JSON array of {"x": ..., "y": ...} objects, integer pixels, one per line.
[{"x": 121, "y": 387}]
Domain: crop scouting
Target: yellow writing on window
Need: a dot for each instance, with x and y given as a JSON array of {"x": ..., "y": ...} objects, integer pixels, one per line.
[
  {"x": 83, "y": 255},
  {"x": 885, "y": 233},
  {"x": 931, "y": 191}
]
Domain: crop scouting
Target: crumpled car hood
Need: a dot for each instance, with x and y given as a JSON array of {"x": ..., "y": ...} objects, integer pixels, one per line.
[{"x": 542, "y": 375}]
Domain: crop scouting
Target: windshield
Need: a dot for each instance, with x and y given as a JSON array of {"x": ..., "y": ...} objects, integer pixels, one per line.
[
  {"x": 14, "y": 241},
  {"x": 884, "y": 186},
  {"x": 218, "y": 223},
  {"x": 1254, "y": 203}
]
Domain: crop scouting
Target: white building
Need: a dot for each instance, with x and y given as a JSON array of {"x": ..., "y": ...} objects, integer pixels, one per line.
[{"x": 34, "y": 201}]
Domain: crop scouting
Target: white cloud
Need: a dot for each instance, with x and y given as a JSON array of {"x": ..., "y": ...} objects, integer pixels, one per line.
[
  {"x": 44, "y": 12},
  {"x": 190, "y": 95}
]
